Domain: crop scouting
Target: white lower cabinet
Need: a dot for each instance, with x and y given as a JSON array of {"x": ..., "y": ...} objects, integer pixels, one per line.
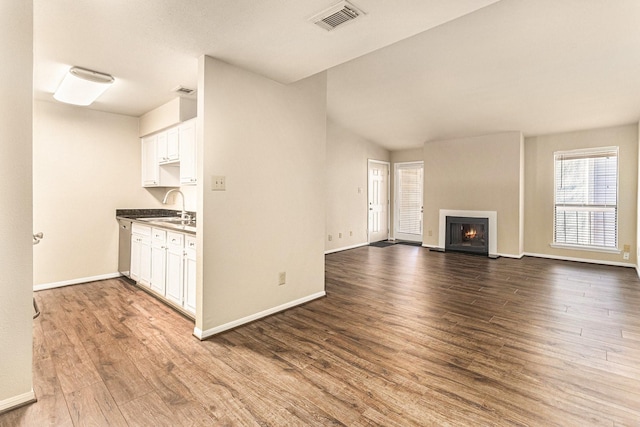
[
  {"x": 141, "y": 254},
  {"x": 165, "y": 261},
  {"x": 158, "y": 260},
  {"x": 175, "y": 270},
  {"x": 190, "y": 274}
]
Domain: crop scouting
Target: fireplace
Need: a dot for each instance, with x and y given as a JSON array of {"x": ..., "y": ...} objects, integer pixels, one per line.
[
  {"x": 491, "y": 232},
  {"x": 467, "y": 234}
]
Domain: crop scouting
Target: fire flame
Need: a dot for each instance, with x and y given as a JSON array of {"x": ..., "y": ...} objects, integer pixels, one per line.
[{"x": 471, "y": 234}]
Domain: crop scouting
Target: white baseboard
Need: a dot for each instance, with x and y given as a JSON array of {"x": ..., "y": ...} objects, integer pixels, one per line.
[
  {"x": 561, "y": 258},
  {"x": 16, "y": 401},
  {"x": 75, "y": 281},
  {"x": 638, "y": 270},
  {"x": 200, "y": 334},
  {"x": 511, "y": 256},
  {"x": 587, "y": 260},
  {"x": 359, "y": 245}
]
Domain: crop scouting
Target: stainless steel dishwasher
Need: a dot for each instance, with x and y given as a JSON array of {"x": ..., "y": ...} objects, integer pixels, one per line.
[{"x": 124, "y": 247}]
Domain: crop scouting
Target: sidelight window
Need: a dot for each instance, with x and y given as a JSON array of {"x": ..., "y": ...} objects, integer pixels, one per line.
[{"x": 586, "y": 198}]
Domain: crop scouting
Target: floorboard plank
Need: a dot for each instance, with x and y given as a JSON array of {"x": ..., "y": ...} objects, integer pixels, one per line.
[{"x": 405, "y": 337}]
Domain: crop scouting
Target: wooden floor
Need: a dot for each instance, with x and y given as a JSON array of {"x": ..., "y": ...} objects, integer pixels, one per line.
[{"x": 405, "y": 337}]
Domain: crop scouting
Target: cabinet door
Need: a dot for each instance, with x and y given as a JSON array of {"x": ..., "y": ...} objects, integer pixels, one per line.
[
  {"x": 145, "y": 262},
  {"x": 173, "y": 144},
  {"x": 134, "y": 269},
  {"x": 162, "y": 150},
  {"x": 174, "y": 274},
  {"x": 158, "y": 266},
  {"x": 150, "y": 171},
  {"x": 158, "y": 259},
  {"x": 190, "y": 275},
  {"x": 188, "y": 153}
]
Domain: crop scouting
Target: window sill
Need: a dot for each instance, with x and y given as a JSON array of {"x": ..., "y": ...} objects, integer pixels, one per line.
[{"x": 585, "y": 248}]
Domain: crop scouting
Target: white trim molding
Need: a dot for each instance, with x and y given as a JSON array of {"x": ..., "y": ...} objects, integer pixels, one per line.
[
  {"x": 587, "y": 260},
  {"x": 344, "y": 248},
  {"x": 17, "y": 401},
  {"x": 492, "y": 216},
  {"x": 201, "y": 335},
  {"x": 75, "y": 281}
]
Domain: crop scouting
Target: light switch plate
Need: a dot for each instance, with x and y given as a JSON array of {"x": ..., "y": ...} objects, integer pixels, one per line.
[{"x": 218, "y": 183}]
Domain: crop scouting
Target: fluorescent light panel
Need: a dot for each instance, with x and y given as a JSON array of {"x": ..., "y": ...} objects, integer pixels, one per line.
[{"x": 81, "y": 86}]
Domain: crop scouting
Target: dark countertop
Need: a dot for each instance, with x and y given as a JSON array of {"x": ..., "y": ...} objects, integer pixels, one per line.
[{"x": 136, "y": 214}]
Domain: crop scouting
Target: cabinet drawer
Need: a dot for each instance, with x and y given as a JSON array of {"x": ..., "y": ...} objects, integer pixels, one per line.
[
  {"x": 175, "y": 239},
  {"x": 158, "y": 235},
  {"x": 141, "y": 229},
  {"x": 190, "y": 242}
]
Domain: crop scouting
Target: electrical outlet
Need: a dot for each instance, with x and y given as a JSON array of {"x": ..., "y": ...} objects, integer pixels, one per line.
[
  {"x": 351, "y": 233},
  {"x": 218, "y": 183},
  {"x": 330, "y": 237},
  {"x": 282, "y": 278},
  {"x": 625, "y": 255},
  {"x": 339, "y": 235}
]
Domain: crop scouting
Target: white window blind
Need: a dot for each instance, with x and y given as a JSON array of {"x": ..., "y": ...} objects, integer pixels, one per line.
[
  {"x": 409, "y": 198},
  {"x": 586, "y": 198}
]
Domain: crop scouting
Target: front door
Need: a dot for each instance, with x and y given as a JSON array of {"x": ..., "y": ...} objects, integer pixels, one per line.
[
  {"x": 378, "y": 201},
  {"x": 408, "y": 201}
]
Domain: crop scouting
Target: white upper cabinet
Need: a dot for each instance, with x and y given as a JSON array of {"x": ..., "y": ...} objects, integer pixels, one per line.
[
  {"x": 173, "y": 145},
  {"x": 169, "y": 157},
  {"x": 188, "y": 153},
  {"x": 161, "y": 147},
  {"x": 150, "y": 171}
]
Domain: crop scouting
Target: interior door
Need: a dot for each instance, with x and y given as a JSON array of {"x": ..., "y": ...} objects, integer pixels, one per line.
[
  {"x": 408, "y": 201},
  {"x": 378, "y": 196}
]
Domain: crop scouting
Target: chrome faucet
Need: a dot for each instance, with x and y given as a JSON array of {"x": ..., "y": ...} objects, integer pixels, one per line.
[{"x": 183, "y": 214}]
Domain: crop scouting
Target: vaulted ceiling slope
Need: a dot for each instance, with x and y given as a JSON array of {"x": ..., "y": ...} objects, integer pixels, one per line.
[
  {"x": 410, "y": 71},
  {"x": 539, "y": 67},
  {"x": 152, "y": 46}
]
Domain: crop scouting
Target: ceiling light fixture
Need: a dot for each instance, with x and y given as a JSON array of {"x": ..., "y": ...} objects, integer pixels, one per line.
[{"x": 81, "y": 86}]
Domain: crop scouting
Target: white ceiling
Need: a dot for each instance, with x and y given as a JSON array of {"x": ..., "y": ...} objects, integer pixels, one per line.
[
  {"x": 451, "y": 67},
  {"x": 537, "y": 66}
]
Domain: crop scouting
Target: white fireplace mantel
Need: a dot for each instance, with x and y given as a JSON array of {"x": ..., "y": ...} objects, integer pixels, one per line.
[{"x": 492, "y": 216}]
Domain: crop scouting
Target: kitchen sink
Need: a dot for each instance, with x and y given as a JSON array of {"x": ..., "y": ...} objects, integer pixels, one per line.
[{"x": 170, "y": 220}]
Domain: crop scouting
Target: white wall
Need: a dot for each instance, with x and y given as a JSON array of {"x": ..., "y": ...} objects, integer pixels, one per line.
[
  {"x": 269, "y": 141},
  {"x": 16, "y": 47},
  {"x": 539, "y": 189},
  {"x": 346, "y": 175},
  {"x": 86, "y": 164},
  {"x": 482, "y": 173},
  {"x": 170, "y": 114}
]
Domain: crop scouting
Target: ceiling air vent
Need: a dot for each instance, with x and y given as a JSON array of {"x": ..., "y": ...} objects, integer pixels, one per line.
[
  {"x": 180, "y": 90},
  {"x": 336, "y": 15}
]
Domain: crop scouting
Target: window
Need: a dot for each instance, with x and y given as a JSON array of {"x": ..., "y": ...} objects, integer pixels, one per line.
[{"x": 586, "y": 198}]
